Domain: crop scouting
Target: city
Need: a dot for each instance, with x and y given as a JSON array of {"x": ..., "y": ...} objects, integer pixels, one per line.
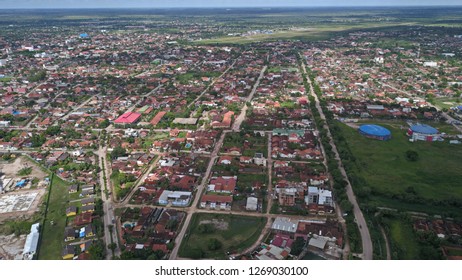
[{"x": 192, "y": 134}]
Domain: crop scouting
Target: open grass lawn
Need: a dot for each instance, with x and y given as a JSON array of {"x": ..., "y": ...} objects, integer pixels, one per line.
[
  {"x": 435, "y": 176},
  {"x": 52, "y": 238},
  {"x": 235, "y": 233},
  {"x": 403, "y": 243}
]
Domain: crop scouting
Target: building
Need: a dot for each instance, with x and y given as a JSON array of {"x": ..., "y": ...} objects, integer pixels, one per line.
[
  {"x": 128, "y": 118},
  {"x": 259, "y": 159},
  {"x": 30, "y": 248},
  {"x": 71, "y": 211},
  {"x": 224, "y": 184},
  {"x": 252, "y": 204},
  {"x": 423, "y": 132},
  {"x": 73, "y": 189},
  {"x": 216, "y": 201},
  {"x": 157, "y": 118},
  {"x": 176, "y": 198},
  {"x": 319, "y": 196},
  {"x": 375, "y": 132},
  {"x": 285, "y": 225},
  {"x": 68, "y": 252}
]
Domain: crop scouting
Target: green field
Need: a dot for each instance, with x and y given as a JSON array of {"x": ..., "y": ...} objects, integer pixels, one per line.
[
  {"x": 235, "y": 233},
  {"x": 384, "y": 177},
  {"x": 402, "y": 239},
  {"x": 52, "y": 238}
]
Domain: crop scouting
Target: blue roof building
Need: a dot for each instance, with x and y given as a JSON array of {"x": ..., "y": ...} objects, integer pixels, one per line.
[{"x": 375, "y": 132}]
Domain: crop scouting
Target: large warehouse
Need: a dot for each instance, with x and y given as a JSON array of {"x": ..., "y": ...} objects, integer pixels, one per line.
[
  {"x": 375, "y": 132},
  {"x": 423, "y": 132}
]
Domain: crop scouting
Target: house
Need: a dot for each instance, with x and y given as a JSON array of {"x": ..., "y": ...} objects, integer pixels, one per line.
[
  {"x": 226, "y": 160},
  {"x": 176, "y": 198},
  {"x": 68, "y": 252},
  {"x": 83, "y": 219},
  {"x": 285, "y": 225},
  {"x": 87, "y": 192},
  {"x": 252, "y": 204},
  {"x": 71, "y": 211},
  {"x": 69, "y": 234},
  {"x": 259, "y": 159},
  {"x": 88, "y": 209},
  {"x": 272, "y": 252},
  {"x": 223, "y": 184},
  {"x": 87, "y": 201},
  {"x": 319, "y": 196},
  {"x": 216, "y": 201},
  {"x": 286, "y": 196},
  {"x": 89, "y": 232},
  {"x": 73, "y": 189},
  {"x": 244, "y": 159}
]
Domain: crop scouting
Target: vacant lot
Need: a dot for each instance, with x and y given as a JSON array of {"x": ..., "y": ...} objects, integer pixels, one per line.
[
  {"x": 385, "y": 177},
  {"x": 11, "y": 169},
  {"x": 403, "y": 242},
  {"x": 55, "y": 221},
  {"x": 211, "y": 236}
]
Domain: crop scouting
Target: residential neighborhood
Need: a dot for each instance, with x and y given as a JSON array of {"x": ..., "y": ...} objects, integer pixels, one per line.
[{"x": 165, "y": 136}]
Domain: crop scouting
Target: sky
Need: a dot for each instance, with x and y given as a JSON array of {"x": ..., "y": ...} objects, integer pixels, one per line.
[{"x": 14, "y": 4}]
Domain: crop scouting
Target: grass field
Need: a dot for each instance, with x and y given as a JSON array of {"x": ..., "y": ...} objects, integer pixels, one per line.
[
  {"x": 235, "y": 233},
  {"x": 392, "y": 179},
  {"x": 52, "y": 238},
  {"x": 403, "y": 243}
]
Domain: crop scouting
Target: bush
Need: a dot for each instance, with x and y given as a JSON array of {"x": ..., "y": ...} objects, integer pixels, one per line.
[
  {"x": 206, "y": 228},
  {"x": 412, "y": 155},
  {"x": 25, "y": 171},
  {"x": 214, "y": 244}
]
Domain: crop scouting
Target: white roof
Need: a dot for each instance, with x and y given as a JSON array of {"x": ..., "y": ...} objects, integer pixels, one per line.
[
  {"x": 252, "y": 202},
  {"x": 172, "y": 194},
  {"x": 32, "y": 240},
  {"x": 318, "y": 242},
  {"x": 285, "y": 224}
]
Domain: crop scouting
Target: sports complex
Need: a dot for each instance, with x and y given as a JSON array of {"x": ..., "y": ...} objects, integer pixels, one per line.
[{"x": 375, "y": 132}]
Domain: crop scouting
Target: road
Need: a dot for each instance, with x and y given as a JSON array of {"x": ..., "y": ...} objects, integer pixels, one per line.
[
  {"x": 270, "y": 176},
  {"x": 199, "y": 191},
  {"x": 142, "y": 97},
  {"x": 210, "y": 85},
  {"x": 65, "y": 117},
  {"x": 107, "y": 205},
  {"x": 238, "y": 121},
  {"x": 140, "y": 181},
  {"x": 359, "y": 217}
]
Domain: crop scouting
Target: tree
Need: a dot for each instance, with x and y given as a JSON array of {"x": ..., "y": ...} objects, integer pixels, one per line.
[
  {"x": 118, "y": 152},
  {"x": 96, "y": 251},
  {"x": 412, "y": 155},
  {"x": 53, "y": 130},
  {"x": 297, "y": 246}
]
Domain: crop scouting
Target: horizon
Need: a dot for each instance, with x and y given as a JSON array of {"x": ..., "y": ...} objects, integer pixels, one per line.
[
  {"x": 232, "y": 7},
  {"x": 225, "y": 4}
]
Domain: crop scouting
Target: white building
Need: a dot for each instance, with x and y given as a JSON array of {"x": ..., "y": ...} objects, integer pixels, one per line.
[
  {"x": 319, "y": 196},
  {"x": 30, "y": 248},
  {"x": 179, "y": 199},
  {"x": 259, "y": 159},
  {"x": 430, "y": 64},
  {"x": 252, "y": 204}
]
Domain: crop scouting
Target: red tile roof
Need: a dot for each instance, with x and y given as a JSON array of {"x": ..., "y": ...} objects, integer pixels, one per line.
[
  {"x": 157, "y": 118},
  {"x": 128, "y": 117},
  {"x": 217, "y": 198}
]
